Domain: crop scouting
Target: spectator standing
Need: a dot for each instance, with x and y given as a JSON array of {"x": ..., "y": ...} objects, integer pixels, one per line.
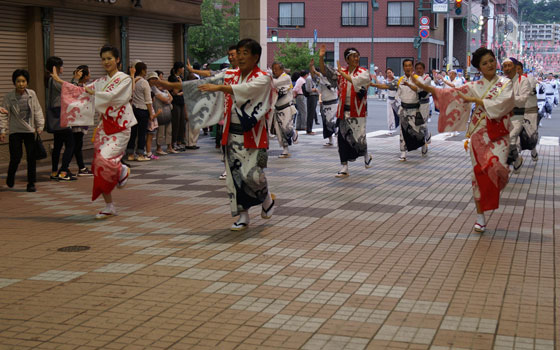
[
  {"x": 178, "y": 121},
  {"x": 301, "y": 104},
  {"x": 142, "y": 107},
  {"x": 162, "y": 102},
  {"x": 312, "y": 98},
  {"x": 21, "y": 116}
]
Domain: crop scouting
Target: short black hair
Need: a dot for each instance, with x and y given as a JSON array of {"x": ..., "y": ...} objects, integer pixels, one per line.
[
  {"x": 52, "y": 62},
  {"x": 347, "y": 51},
  {"x": 407, "y": 60},
  {"x": 478, "y": 54},
  {"x": 252, "y": 45},
  {"x": 114, "y": 51},
  {"x": 303, "y": 73},
  {"x": 389, "y": 69},
  {"x": 20, "y": 73},
  {"x": 520, "y": 64},
  {"x": 420, "y": 64},
  {"x": 158, "y": 72},
  {"x": 232, "y": 47},
  {"x": 140, "y": 66},
  {"x": 85, "y": 70}
]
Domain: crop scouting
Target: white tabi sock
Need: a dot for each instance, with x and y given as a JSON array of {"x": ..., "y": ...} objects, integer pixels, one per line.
[
  {"x": 110, "y": 208},
  {"x": 403, "y": 154},
  {"x": 243, "y": 217},
  {"x": 330, "y": 139},
  {"x": 480, "y": 219},
  {"x": 344, "y": 168},
  {"x": 286, "y": 150}
]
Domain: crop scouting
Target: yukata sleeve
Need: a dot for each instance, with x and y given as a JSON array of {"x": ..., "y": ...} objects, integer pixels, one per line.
[
  {"x": 253, "y": 100},
  {"x": 76, "y": 106},
  {"x": 204, "y": 108},
  {"x": 454, "y": 112},
  {"x": 500, "y": 105},
  {"x": 283, "y": 84},
  {"x": 524, "y": 93},
  {"x": 360, "y": 81},
  {"x": 331, "y": 75},
  {"x": 118, "y": 96}
]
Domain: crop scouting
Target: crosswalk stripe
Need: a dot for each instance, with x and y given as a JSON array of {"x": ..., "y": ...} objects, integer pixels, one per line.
[{"x": 549, "y": 141}]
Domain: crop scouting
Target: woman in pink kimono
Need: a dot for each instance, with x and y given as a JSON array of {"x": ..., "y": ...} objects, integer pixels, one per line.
[
  {"x": 109, "y": 96},
  {"x": 488, "y": 128}
]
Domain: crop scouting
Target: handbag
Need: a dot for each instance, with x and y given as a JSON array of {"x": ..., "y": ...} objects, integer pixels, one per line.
[
  {"x": 165, "y": 117},
  {"x": 39, "y": 151}
]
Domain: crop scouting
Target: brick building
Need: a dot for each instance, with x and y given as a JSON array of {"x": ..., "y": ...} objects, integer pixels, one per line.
[{"x": 341, "y": 24}]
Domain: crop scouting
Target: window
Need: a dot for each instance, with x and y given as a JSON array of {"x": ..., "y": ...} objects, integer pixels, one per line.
[
  {"x": 354, "y": 14},
  {"x": 435, "y": 21},
  {"x": 395, "y": 63},
  {"x": 329, "y": 58},
  {"x": 291, "y": 14},
  {"x": 400, "y": 13},
  {"x": 364, "y": 62}
]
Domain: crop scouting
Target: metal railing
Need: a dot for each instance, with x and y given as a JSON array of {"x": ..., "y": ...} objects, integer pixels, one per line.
[
  {"x": 291, "y": 21},
  {"x": 354, "y": 21},
  {"x": 400, "y": 21}
]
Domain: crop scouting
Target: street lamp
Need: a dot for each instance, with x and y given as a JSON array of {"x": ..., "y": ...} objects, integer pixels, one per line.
[{"x": 374, "y": 7}]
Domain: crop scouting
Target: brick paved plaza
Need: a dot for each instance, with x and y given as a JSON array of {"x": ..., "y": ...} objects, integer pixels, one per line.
[{"x": 384, "y": 259}]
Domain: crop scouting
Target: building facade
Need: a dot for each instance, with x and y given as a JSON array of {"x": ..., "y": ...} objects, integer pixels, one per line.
[
  {"x": 75, "y": 30},
  {"x": 340, "y": 24}
]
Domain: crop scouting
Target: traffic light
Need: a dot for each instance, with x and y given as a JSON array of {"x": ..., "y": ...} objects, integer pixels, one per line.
[{"x": 458, "y": 4}]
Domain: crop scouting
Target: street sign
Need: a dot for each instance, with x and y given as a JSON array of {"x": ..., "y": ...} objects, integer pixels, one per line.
[
  {"x": 440, "y": 6},
  {"x": 424, "y": 33},
  {"x": 315, "y": 36},
  {"x": 424, "y": 21},
  {"x": 424, "y": 27}
]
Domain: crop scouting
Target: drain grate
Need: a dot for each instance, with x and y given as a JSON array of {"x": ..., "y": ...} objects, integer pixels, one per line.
[{"x": 73, "y": 248}]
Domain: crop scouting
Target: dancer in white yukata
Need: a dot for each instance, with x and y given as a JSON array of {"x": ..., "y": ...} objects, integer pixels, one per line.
[
  {"x": 108, "y": 96},
  {"x": 244, "y": 97},
  {"x": 329, "y": 103},
  {"x": 284, "y": 110},
  {"x": 488, "y": 128},
  {"x": 529, "y": 136},
  {"x": 521, "y": 91},
  {"x": 420, "y": 70},
  {"x": 353, "y": 82}
]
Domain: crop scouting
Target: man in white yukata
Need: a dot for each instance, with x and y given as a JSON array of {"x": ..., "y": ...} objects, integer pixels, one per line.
[
  {"x": 521, "y": 91},
  {"x": 420, "y": 70},
  {"x": 529, "y": 136},
  {"x": 541, "y": 99},
  {"x": 244, "y": 97},
  {"x": 284, "y": 110},
  {"x": 551, "y": 91},
  {"x": 329, "y": 103},
  {"x": 390, "y": 84},
  {"x": 452, "y": 80}
]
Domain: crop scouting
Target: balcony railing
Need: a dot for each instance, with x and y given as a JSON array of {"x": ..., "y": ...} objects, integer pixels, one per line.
[
  {"x": 400, "y": 21},
  {"x": 291, "y": 21},
  {"x": 354, "y": 21}
]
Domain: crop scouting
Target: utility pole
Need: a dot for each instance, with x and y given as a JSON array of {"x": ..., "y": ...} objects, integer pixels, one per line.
[
  {"x": 449, "y": 42},
  {"x": 468, "y": 59}
]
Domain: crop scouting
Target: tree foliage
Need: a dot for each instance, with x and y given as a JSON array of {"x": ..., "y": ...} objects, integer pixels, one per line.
[
  {"x": 544, "y": 11},
  {"x": 295, "y": 56},
  {"x": 219, "y": 30}
]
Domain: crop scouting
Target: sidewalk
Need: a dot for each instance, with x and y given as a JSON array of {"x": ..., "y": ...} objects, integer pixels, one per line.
[{"x": 384, "y": 259}]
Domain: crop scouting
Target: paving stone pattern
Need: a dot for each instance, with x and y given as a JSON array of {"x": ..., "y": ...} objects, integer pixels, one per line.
[{"x": 384, "y": 259}]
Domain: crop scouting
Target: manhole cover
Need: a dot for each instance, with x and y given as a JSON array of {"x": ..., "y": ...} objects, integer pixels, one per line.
[{"x": 73, "y": 248}]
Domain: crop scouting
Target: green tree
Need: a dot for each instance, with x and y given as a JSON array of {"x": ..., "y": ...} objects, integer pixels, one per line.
[
  {"x": 544, "y": 11},
  {"x": 295, "y": 57},
  {"x": 219, "y": 30}
]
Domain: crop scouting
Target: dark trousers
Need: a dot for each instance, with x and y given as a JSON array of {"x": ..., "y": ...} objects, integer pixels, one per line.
[
  {"x": 66, "y": 139},
  {"x": 78, "y": 144},
  {"x": 178, "y": 124},
  {"x": 139, "y": 131},
  {"x": 16, "y": 152},
  {"x": 311, "y": 111}
]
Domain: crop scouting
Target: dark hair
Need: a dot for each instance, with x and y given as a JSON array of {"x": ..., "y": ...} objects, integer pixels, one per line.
[
  {"x": 232, "y": 47},
  {"x": 140, "y": 66},
  {"x": 389, "y": 69},
  {"x": 196, "y": 66},
  {"x": 478, "y": 54},
  {"x": 520, "y": 64},
  {"x": 176, "y": 66},
  {"x": 114, "y": 51},
  {"x": 20, "y": 73},
  {"x": 350, "y": 49},
  {"x": 52, "y": 62},
  {"x": 296, "y": 76},
  {"x": 85, "y": 70},
  {"x": 158, "y": 72},
  {"x": 252, "y": 45},
  {"x": 420, "y": 64},
  {"x": 303, "y": 73},
  {"x": 407, "y": 60}
]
